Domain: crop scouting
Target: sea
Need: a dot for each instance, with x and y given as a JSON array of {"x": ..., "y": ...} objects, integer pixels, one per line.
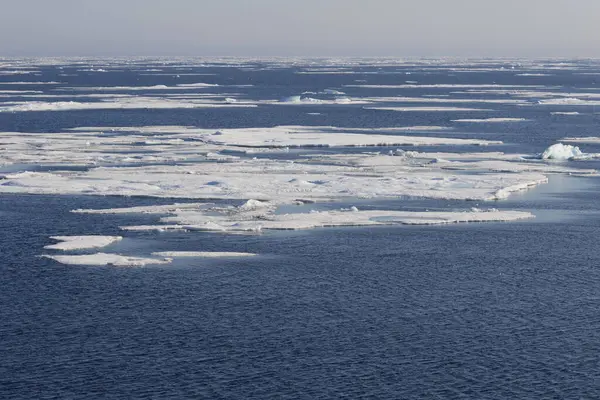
[{"x": 502, "y": 310}]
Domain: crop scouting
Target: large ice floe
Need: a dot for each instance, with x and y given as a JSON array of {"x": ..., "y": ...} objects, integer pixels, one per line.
[
  {"x": 229, "y": 220},
  {"x": 191, "y": 163}
]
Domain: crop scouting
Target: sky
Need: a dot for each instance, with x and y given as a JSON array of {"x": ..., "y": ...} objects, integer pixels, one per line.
[{"x": 430, "y": 28}]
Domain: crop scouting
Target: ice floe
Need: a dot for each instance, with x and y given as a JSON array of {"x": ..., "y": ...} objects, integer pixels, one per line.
[
  {"x": 116, "y": 103},
  {"x": 303, "y": 100},
  {"x": 82, "y": 242},
  {"x": 101, "y": 259},
  {"x": 232, "y": 223},
  {"x": 301, "y": 136},
  {"x": 278, "y": 181},
  {"x": 444, "y": 86},
  {"x": 569, "y": 101},
  {"x": 212, "y": 175},
  {"x": 440, "y": 99},
  {"x": 148, "y": 88}
]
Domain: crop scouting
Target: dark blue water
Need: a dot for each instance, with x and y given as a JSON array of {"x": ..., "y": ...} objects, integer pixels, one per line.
[{"x": 474, "y": 311}]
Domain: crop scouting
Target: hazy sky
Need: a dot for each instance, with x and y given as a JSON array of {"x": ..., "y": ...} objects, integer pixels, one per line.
[{"x": 567, "y": 28}]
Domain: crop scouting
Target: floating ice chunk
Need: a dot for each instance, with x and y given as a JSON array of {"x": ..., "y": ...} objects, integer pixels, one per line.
[
  {"x": 99, "y": 259},
  {"x": 203, "y": 254},
  {"x": 561, "y": 151},
  {"x": 82, "y": 242}
]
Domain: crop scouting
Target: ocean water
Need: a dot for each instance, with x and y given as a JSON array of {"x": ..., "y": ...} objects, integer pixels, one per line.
[{"x": 473, "y": 311}]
